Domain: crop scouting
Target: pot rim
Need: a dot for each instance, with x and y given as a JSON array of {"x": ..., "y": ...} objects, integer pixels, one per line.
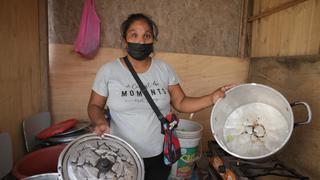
[{"x": 41, "y": 175}]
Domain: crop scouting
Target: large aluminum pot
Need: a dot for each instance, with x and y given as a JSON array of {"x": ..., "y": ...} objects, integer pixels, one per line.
[{"x": 253, "y": 121}]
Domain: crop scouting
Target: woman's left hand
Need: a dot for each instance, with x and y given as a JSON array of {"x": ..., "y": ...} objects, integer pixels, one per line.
[{"x": 220, "y": 93}]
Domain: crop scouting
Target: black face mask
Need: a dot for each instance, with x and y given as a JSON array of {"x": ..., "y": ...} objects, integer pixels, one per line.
[{"x": 139, "y": 51}]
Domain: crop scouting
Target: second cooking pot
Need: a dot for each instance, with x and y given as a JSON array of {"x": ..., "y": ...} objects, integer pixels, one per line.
[{"x": 253, "y": 121}]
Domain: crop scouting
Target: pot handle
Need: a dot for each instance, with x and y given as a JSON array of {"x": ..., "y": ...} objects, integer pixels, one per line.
[{"x": 306, "y": 105}]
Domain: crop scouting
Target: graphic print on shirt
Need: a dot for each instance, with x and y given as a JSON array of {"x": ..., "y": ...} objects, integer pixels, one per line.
[{"x": 132, "y": 92}]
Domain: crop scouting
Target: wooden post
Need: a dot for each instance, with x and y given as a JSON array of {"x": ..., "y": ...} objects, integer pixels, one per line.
[{"x": 275, "y": 9}]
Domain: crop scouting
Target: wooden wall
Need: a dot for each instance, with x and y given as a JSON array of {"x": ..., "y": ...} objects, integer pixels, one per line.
[
  {"x": 298, "y": 79},
  {"x": 23, "y": 74},
  {"x": 71, "y": 78},
  {"x": 293, "y": 31}
]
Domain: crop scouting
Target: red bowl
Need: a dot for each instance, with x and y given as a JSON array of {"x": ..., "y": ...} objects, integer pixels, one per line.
[{"x": 41, "y": 161}]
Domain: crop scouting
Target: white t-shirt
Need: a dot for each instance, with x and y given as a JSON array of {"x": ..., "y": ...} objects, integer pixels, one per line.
[{"x": 133, "y": 119}]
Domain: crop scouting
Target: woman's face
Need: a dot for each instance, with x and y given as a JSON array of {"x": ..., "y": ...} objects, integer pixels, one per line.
[{"x": 139, "y": 32}]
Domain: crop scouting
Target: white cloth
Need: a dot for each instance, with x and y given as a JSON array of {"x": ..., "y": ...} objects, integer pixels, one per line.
[{"x": 133, "y": 119}]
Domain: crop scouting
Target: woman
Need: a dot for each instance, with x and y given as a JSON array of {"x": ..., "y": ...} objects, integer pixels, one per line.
[{"x": 132, "y": 117}]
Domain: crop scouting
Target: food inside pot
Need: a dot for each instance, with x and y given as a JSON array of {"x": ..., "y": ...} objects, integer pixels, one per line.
[{"x": 255, "y": 129}]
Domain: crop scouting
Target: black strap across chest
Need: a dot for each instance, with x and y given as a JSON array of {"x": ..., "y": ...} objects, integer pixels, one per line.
[{"x": 144, "y": 91}]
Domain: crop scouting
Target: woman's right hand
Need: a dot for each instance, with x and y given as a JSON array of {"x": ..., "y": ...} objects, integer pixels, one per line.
[
  {"x": 220, "y": 93},
  {"x": 96, "y": 113},
  {"x": 101, "y": 128}
]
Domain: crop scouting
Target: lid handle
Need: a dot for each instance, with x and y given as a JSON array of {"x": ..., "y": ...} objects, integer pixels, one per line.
[{"x": 104, "y": 165}]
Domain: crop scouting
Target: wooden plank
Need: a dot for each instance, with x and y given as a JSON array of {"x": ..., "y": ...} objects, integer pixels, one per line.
[
  {"x": 275, "y": 10},
  {"x": 295, "y": 31},
  {"x": 20, "y": 72},
  {"x": 243, "y": 29},
  {"x": 314, "y": 30},
  {"x": 248, "y": 45},
  {"x": 298, "y": 79},
  {"x": 44, "y": 54},
  {"x": 71, "y": 78}
]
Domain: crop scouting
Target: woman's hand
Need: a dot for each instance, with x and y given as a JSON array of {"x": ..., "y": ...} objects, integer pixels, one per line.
[
  {"x": 220, "y": 93},
  {"x": 96, "y": 113},
  {"x": 101, "y": 128}
]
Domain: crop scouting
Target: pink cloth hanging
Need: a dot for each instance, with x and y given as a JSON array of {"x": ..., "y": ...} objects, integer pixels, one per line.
[{"x": 88, "y": 39}]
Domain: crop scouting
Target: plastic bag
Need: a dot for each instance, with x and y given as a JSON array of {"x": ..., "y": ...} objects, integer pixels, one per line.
[{"x": 88, "y": 39}]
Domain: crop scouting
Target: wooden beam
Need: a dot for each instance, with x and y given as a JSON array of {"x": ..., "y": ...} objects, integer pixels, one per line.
[
  {"x": 243, "y": 29},
  {"x": 275, "y": 9},
  {"x": 44, "y": 53}
]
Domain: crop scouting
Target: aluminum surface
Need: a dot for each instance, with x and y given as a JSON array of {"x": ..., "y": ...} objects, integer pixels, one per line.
[
  {"x": 47, "y": 176},
  {"x": 94, "y": 157},
  {"x": 253, "y": 121},
  {"x": 81, "y": 125}
]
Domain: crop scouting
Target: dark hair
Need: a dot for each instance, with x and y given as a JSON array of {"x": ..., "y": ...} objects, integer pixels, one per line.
[{"x": 135, "y": 17}]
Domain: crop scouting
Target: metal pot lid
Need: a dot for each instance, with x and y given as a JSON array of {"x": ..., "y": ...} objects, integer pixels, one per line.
[
  {"x": 94, "y": 157},
  {"x": 56, "y": 129},
  {"x": 67, "y": 138},
  {"x": 81, "y": 125}
]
